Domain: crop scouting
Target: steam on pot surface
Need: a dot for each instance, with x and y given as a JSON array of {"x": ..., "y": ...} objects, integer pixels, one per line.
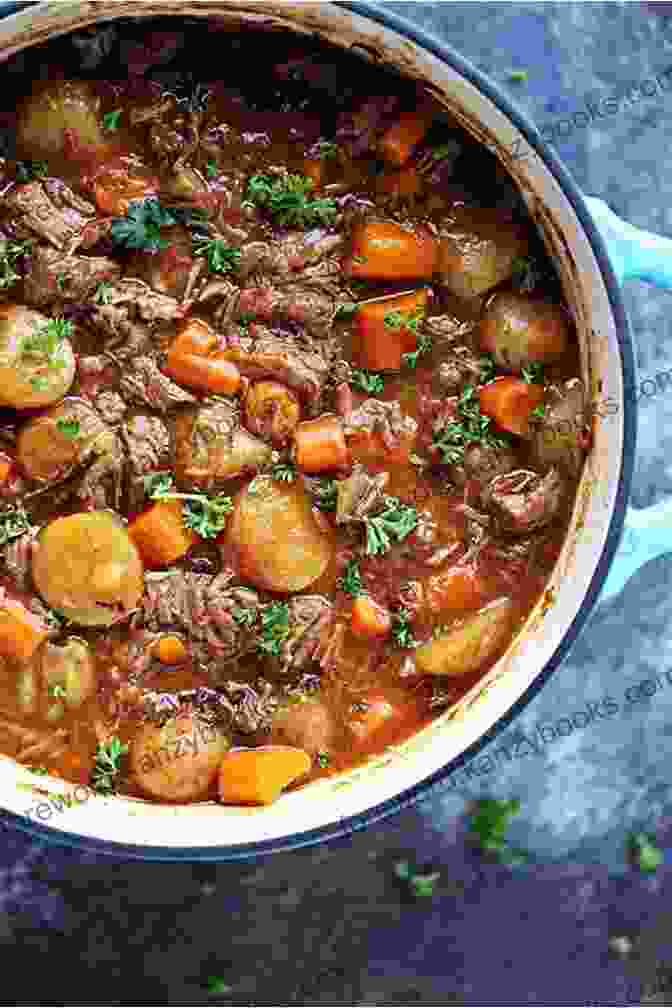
[{"x": 281, "y": 363}]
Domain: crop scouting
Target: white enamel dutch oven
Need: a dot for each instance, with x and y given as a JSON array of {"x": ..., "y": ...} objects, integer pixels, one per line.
[{"x": 594, "y": 252}]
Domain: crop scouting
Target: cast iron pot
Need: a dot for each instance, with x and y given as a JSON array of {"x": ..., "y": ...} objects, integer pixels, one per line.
[{"x": 594, "y": 252}]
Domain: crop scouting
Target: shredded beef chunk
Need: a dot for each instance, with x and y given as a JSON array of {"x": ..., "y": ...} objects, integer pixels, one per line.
[
  {"x": 55, "y": 277},
  {"x": 288, "y": 257},
  {"x": 212, "y": 447},
  {"x": 48, "y": 210},
  {"x": 16, "y": 557},
  {"x": 461, "y": 367},
  {"x": 130, "y": 313},
  {"x": 110, "y": 405},
  {"x": 359, "y": 495},
  {"x": 482, "y": 462},
  {"x": 146, "y": 384},
  {"x": 253, "y": 708},
  {"x": 385, "y": 418},
  {"x": 310, "y": 617},
  {"x": 281, "y": 356},
  {"x": 309, "y": 308},
  {"x": 523, "y": 500},
  {"x": 148, "y": 443}
]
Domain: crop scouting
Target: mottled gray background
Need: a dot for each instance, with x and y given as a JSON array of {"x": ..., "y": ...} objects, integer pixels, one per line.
[{"x": 331, "y": 925}]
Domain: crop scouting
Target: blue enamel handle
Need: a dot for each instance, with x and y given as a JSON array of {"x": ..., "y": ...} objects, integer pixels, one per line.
[{"x": 640, "y": 255}]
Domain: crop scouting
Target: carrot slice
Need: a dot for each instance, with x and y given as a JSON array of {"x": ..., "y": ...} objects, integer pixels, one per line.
[
  {"x": 457, "y": 589},
  {"x": 21, "y": 632},
  {"x": 380, "y": 344},
  {"x": 257, "y": 776},
  {"x": 509, "y": 401},
  {"x": 6, "y": 466},
  {"x": 313, "y": 168},
  {"x": 398, "y": 142},
  {"x": 319, "y": 445},
  {"x": 118, "y": 183},
  {"x": 372, "y": 712},
  {"x": 368, "y": 619},
  {"x": 369, "y": 447},
  {"x": 192, "y": 360},
  {"x": 160, "y": 534},
  {"x": 170, "y": 650},
  {"x": 384, "y": 250}
]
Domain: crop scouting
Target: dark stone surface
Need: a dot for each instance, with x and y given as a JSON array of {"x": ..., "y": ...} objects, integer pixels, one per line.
[{"x": 332, "y": 925}]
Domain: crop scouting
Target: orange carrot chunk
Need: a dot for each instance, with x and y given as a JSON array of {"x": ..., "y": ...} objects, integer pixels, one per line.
[
  {"x": 120, "y": 182},
  {"x": 319, "y": 445},
  {"x": 368, "y": 619},
  {"x": 160, "y": 534},
  {"x": 398, "y": 143},
  {"x": 257, "y": 776},
  {"x": 6, "y": 466},
  {"x": 313, "y": 168},
  {"x": 192, "y": 360},
  {"x": 370, "y": 714},
  {"x": 457, "y": 589},
  {"x": 382, "y": 336},
  {"x": 170, "y": 649},
  {"x": 21, "y": 632},
  {"x": 384, "y": 250},
  {"x": 369, "y": 447},
  {"x": 509, "y": 402}
]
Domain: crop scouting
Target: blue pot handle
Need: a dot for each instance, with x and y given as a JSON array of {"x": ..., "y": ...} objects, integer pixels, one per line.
[{"x": 640, "y": 255}]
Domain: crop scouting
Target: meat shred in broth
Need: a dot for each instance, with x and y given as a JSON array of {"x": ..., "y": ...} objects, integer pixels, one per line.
[{"x": 289, "y": 405}]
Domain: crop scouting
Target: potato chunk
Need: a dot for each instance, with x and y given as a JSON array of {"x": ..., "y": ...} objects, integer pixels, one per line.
[
  {"x": 519, "y": 330},
  {"x": 50, "y": 445},
  {"x": 51, "y": 110},
  {"x": 463, "y": 649},
  {"x": 87, "y": 567},
  {"x": 35, "y": 369},
  {"x": 178, "y": 761},
  {"x": 276, "y": 537},
  {"x": 477, "y": 251}
]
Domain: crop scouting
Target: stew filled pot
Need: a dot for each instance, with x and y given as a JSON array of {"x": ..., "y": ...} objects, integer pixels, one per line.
[{"x": 291, "y": 423}]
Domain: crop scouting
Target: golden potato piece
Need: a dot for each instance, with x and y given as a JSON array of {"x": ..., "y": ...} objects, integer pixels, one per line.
[
  {"x": 462, "y": 649},
  {"x": 178, "y": 761},
  {"x": 278, "y": 542},
  {"x": 477, "y": 250},
  {"x": 51, "y": 110},
  {"x": 37, "y": 366},
  {"x": 87, "y": 567},
  {"x": 49, "y": 445}
]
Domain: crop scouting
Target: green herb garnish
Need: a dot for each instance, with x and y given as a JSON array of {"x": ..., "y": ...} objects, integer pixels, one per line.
[
  {"x": 518, "y": 76},
  {"x": 284, "y": 471},
  {"x": 421, "y": 884},
  {"x": 274, "y": 627},
  {"x": 644, "y": 852},
  {"x": 346, "y": 310},
  {"x": 10, "y": 253},
  {"x": 533, "y": 373},
  {"x": 39, "y": 383},
  {"x": 391, "y": 525},
  {"x": 539, "y": 412},
  {"x": 211, "y": 168},
  {"x": 246, "y": 317},
  {"x": 13, "y": 523},
  {"x": 157, "y": 484},
  {"x": 203, "y": 514},
  {"x": 27, "y": 171},
  {"x": 46, "y": 340},
  {"x": 69, "y": 427},
  {"x": 424, "y": 345},
  {"x": 325, "y": 493},
  {"x": 401, "y": 630},
  {"x": 106, "y": 767},
  {"x": 368, "y": 381},
  {"x": 111, "y": 120},
  {"x": 524, "y": 273},
  {"x": 443, "y": 151},
  {"x": 41, "y": 771},
  {"x": 221, "y": 258},
  {"x": 351, "y": 582},
  {"x": 323, "y": 760},
  {"x": 327, "y": 149},
  {"x": 470, "y": 427},
  {"x": 489, "y": 822},
  {"x": 286, "y": 198},
  {"x": 57, "y": 691},
  {"x": 141, "y": 227},
  {"x": 246, "y": 617},
  {"x": 217, "y": 985},
  {"x": 488, "y": 368},
  {"x": 103, "y": 293},
  {"x": 404, "y": 320}
]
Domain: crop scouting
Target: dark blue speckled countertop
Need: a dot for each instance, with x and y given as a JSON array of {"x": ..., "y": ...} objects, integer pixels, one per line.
[{"x": 330, "y": 925}]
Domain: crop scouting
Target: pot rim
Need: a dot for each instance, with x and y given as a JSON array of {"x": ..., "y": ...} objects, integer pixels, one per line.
[{"x": 429, "y": 785}]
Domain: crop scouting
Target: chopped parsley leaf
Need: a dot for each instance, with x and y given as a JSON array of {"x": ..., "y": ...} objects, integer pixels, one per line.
[
  {"x": 533, "y": 373},
  {"x": 157, "y": 484},
  {"x": 284, "y": 471},
  {"x": 57, "y": 691},
  {"x": 351, "y": 582},
  {"x": 244, "y": 616},
  {"x": 489, "y": 822},
  {"x": 391, "y": 525},
  {"x": 404, "y": 320},
  {"x": 111, "y": 120},
  {"x": 211, "y": 168},
  {"x": 421, "y": 884},
  {"x": 525, "y": 274},
  {"x": 346, "y": 310},
  {"x": 141, "y": 227},
  {"x": 106, "y": 767},
  {"x": 424, "y": 345},
  {"x": 539, "y": 412},
  {"x": 203, "y": 514},
  {"x": 46, "y": 340},
  {"x": 69, "y": 427},
  {"x": 368, "y": 381},
  {"x": 323, "y": 760},
  {"x": 221, "y": 258},
  {"x": 488, "y": 368},
  {"x": 27, "y": 171},
  {"x": 274, "y": 627},
  {"x": 327, "y": 149},
  {"x": 103, "y": 294},
  {"x": 401, "y": 630},
  {"x": 644, "y": 852},
  {"x": 40, "y": 770},
  {"x": 286, "y": 198},
  {"x": 470, "y": 427},
  {"x": 217, "y": 985},
  {"x": 325, "y": 493},
  {"x": 518, "y": 76},
  {"x": 10, "y": 253}
]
